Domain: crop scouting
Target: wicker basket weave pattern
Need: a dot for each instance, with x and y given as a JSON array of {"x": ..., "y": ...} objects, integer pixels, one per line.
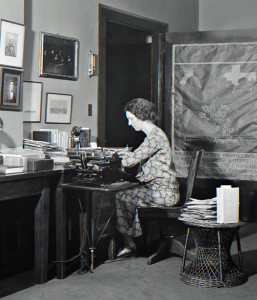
[{"x": 213, "y": 265}]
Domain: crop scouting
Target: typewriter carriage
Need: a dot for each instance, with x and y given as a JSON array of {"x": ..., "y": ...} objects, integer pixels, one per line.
[{"x": 98, "y": 166}]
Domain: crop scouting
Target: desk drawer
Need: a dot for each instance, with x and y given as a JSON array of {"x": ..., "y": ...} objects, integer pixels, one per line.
[{"x": 20, "y": 188}]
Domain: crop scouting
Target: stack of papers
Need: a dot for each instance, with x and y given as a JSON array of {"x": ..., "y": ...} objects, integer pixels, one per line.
[
  {"x": 40, "y": 146},
  {"x": 199, "y": 210}
]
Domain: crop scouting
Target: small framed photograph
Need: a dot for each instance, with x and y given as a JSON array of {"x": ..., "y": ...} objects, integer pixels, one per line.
[
  {"x": 12, "y": 44},
  {"x": 58, "y": 57},
  {"x": 32, "y": 101},
  {"x": 11, "y": 89},
  {"x": 58, "y": 108}
]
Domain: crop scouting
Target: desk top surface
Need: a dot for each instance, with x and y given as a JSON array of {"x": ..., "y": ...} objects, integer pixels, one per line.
[
  {"x": 110, "y": 187},
  {"x": 30, "y": 174}
]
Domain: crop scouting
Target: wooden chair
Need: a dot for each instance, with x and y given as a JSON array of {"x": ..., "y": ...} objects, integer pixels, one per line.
[{"x": 167, "y": 218}]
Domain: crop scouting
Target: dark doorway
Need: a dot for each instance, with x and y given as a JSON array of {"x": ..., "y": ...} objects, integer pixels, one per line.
[
  {"x": 125, "y": 72},
  {"x": 128, "y": 76}
]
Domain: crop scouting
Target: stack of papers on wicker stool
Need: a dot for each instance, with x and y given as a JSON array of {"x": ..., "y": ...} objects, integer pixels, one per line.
[{"x": 199, "y": 210}]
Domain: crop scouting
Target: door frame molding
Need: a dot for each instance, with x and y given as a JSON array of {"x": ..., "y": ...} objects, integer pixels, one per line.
[{"x": 105, "y": 14}]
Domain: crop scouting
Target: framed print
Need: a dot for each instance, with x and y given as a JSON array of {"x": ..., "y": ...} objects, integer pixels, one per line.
[
  {"x": 12, "y": 44},
  {"x": 58, "y": 57},
  {"x": 58, "y": 108},
  {"x": 32, "y": 101},
  {"x": 11, "y": 89}
]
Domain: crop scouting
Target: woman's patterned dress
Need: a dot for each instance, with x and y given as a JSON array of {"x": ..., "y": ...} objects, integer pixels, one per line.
[{"x": 159, "y": 184}]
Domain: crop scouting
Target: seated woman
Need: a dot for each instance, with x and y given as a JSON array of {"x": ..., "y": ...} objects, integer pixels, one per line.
[{"x": 159, "y": 186}]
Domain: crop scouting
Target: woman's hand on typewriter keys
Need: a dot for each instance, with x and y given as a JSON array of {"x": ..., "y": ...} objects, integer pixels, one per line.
[{"x": 122, "y": 153}]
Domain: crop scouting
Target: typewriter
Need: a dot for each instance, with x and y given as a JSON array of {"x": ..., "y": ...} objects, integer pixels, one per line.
[{"x": 97, "y": 166}]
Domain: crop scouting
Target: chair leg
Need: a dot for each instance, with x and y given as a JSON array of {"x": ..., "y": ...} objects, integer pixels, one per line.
[
  {"x": 177, "y": 245},
  {"x": 177, "y": 248},
  {"x": 185, "y": 252},
  {"x": 169, "y": 245},
  {"x": 160, "y": 253}
]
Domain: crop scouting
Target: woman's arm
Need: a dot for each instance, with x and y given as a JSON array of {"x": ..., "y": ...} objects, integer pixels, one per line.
[{"x": 149, "y": 147}]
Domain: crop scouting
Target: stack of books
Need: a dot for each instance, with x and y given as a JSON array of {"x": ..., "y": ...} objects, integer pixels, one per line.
[
  {"x": 51, "y": 151},
  {"x": 54, "y": 136},
  {"x": 196, "y": 210},
  {"x": 11, "y": 169}
]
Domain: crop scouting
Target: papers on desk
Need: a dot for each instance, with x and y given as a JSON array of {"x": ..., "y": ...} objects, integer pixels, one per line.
[
  {"x": 57, "y": 154},
  {"x": 199, "y": 210},
  {"x": 40, "y": 146}
]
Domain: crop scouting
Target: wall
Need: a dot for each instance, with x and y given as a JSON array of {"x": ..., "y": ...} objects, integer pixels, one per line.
[
  {"x": 79, "y": 19},
  {"x": 12, "y": 134},
  {"x": 227, "y": 14}
]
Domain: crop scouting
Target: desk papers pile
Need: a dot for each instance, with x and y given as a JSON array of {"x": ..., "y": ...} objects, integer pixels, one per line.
[{"x": 196, "y": 210}]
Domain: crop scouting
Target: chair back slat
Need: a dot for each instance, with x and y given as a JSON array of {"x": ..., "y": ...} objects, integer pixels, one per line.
[{"x": 192, "y": 172}]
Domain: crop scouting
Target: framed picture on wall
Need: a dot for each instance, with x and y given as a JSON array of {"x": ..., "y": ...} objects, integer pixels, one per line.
[
  {"x": 12, "y": 44},
  {"x": 32, "y": 101},
  {"x": 11, "y": 89},
  {"x": 58, "y": 57},
  {"x": 58, "y": 108}
]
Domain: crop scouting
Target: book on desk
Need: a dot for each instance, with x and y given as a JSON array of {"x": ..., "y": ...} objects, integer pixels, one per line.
[{"x": 11, "y": 169}]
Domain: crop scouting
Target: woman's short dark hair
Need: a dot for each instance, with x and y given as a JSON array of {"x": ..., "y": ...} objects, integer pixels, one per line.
[{"x": 143, "y": 109}]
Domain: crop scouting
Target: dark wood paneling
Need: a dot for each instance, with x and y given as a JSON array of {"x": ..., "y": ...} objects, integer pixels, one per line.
[
  {"x": 158, "y": 51},
  {"x": 130, "y": 19}
]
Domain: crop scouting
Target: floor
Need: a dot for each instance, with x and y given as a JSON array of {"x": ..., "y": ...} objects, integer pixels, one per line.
[{"x": 134, "y": 279}]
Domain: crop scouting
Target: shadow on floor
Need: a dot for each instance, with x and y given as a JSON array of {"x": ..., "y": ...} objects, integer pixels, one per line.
[
  {"x": 249, "y": 262},
  {"x": 16, "y": 283},
  {"x": 248, "y": 229}
]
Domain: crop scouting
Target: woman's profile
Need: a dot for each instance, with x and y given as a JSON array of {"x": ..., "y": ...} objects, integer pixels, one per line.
[{"x": 159, "y": 186}]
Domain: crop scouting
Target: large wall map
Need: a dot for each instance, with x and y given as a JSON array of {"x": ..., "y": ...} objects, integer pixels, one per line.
[{"x": 214, "y": 106}]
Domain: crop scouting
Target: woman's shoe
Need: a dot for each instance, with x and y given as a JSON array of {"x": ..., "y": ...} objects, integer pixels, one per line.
[{"x": 126, "y": 252}]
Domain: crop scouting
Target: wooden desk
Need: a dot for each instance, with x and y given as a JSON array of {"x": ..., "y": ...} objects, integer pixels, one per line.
[
  {"x": 91, "y": 223},
  {"x": 28, "y": 184}
]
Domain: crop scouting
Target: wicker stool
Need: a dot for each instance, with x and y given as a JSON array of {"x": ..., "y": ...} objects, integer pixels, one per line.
[{"x": 213, "y": 265}]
